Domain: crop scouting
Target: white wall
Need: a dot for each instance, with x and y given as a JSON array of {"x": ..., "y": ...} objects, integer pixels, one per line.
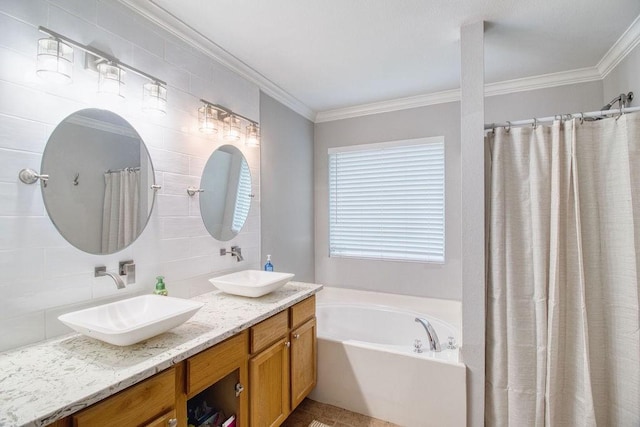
[
  {"x": 287, "y": 189},
  {"x": 41, "y": 275},
  {"x": 544, "y": 102}
]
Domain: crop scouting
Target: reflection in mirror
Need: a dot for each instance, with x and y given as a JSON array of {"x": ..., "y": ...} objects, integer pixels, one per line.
[
  {"x": 99, "y": 192},
  {"x": 226, "y": 200}
]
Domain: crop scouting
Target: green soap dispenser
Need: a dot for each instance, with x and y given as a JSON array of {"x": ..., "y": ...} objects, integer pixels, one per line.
[{"x": 160, "y": 288}]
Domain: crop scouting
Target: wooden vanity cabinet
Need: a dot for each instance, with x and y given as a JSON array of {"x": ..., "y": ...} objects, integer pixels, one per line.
[
  {"x": 282, "y": 366},
  {"x": 260, "y": 375}
]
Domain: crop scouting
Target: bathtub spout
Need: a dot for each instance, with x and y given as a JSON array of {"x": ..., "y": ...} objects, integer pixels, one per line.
[{"x": 434, "y": 342}]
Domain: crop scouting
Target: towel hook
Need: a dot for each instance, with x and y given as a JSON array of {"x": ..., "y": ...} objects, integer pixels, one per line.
[
  {"x": 29, "y": 176},
  {"x": 192, "y": 191}
]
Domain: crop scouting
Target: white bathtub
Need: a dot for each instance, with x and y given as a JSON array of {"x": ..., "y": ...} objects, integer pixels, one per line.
[{"x": 366, "y": 362}]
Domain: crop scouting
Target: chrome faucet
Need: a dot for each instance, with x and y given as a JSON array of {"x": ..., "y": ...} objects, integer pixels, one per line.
[
  {"x": 235, "y": 251},
  {"x": 102, "y": 271},
  {"x": 434, "y": 342}
]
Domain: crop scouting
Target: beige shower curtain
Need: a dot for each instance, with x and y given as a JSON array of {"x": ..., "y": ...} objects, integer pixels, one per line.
[
  {"x": 563, "y": 325},
  {"x": 120, "y": 209}
]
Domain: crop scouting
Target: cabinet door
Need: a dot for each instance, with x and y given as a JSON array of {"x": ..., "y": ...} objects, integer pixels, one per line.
[
  {"x": 303, "y": 361},
  {"x": 269, "y": 385}
]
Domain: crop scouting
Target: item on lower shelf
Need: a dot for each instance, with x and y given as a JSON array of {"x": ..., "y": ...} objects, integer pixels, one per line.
[
  {"x": 212, "y": 421},
  {"x": 230, "y": 422},
  {"x": 203, "y": 415}
]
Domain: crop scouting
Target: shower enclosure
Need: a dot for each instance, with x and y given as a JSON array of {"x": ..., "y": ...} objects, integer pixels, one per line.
[{"x": 563, "y": 322}]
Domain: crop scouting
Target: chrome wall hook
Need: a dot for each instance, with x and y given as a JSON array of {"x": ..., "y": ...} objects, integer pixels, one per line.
[
  {"x": 29, "y": 176},
  {"x": 192, "y": 191}
]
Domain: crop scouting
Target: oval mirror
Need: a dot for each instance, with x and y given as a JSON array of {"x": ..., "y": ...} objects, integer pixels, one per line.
[
  {"x": 99, "y": 193},
  {"x": 226, "y": 199}
]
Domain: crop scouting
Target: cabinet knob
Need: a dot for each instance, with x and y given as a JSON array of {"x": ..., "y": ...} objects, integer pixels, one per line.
[
  {"x": 239, "y": 389},
  {"x": 173, "y": 422},
  {"x": 287, "y": 344},
  {"x": 296, "y": 336}
]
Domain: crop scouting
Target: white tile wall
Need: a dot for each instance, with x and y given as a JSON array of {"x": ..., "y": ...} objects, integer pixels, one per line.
[{"x": 41, "y": 275}]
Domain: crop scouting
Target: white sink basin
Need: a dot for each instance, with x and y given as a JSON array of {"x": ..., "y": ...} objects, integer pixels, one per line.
[
  {"x": 251, "y": 283},
  {"x": 131, "y": 320}
]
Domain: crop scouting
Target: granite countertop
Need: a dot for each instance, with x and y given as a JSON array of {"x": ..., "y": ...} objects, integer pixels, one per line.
[{"x": 44, "y": 382}]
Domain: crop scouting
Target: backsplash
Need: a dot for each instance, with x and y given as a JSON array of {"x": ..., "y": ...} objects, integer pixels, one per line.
[{"x": 41, "y": 274}]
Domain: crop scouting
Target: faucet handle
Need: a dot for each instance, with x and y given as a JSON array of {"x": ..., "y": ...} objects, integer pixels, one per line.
[
  {"x": 417, "y": 346},
  {"x": 128, "y": 268}
]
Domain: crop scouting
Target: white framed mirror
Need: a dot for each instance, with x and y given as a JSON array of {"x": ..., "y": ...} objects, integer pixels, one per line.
[
  {"x": 99, "y": 192},
  {"x": 226, "y": 199}
]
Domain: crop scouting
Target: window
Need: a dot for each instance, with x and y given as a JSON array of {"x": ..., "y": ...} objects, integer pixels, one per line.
[
  {"x": 243, "y": 198},
  {"x": 386, "y": 200}
]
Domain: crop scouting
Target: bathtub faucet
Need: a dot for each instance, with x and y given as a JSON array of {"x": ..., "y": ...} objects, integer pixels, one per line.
[{"x": 434, "y": 342}]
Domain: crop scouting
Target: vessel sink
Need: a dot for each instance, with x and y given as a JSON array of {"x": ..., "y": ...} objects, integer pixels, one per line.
[
  {"x": 251, "y": 283},
  {"x": 131, "y": 320}
]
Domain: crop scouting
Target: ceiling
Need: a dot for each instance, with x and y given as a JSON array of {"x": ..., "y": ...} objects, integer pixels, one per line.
[{"x": 337, "y": 54}]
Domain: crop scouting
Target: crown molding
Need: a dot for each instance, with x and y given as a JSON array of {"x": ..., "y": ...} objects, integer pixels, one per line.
[
  {"x": 388, "y": 106},
  {"x": 176, "y": 27},
  {"x": 620, "y": 49},
  {"x": 563, "y": 78}
]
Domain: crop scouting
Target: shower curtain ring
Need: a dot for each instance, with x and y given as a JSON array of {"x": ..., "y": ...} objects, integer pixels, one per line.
[
  {"x": 508, "y": 127},
  {"x": 535, "y": 123},
  {"x": 581, "y": 118}
]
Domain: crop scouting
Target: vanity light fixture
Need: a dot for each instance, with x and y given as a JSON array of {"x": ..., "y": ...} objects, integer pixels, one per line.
[
  {"x": 252, "y": 135},
  {"x": 208, "y": 118},
  {"x": 211, "y": 116},
  {"x": 110, "y": 79},
  {"x": 231, "y": 128},
  {"x": 55, "y": 60},
  {"x": 154, "y": 98}
]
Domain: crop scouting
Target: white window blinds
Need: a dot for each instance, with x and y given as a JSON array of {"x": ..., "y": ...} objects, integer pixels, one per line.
[
  {"x": 386, "y": 201},
  {"x": 243, "y": 198}
]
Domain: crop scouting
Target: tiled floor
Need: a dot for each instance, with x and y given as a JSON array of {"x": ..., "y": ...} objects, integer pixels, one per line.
[{"x": 310, "y": 410}]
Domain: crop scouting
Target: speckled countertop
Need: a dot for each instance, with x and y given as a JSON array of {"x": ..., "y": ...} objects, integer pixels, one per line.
[{"x": 47, "y": 381}]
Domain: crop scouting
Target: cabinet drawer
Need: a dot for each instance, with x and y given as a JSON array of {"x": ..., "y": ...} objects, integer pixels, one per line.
[
  {"x": 166, "y": 420},
  {"x": 303, "y": 311},
  {"x": 267, "y": 331},
  {"x": 135, "y": 406},
  {"x": 211, "y": 365}
]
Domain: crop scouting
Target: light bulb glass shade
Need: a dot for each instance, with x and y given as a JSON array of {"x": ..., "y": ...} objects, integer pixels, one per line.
[
  {"x": 55, "y": 61},
  {"x": 252, "y": 136},
  {"x": 208, "y": 119},
  {"x": 110, "y": 79},
  {"x": 231, "y": 128},
  {"x": 154, "y": 98}
]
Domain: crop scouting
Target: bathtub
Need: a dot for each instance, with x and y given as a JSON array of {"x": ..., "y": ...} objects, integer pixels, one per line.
[{"x": 366, "y": 361}]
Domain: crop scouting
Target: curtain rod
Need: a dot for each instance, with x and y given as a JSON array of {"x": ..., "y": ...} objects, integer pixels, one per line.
[
  {"x": 132, "y": 169},
  {"x": 550, "y": 119}
]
